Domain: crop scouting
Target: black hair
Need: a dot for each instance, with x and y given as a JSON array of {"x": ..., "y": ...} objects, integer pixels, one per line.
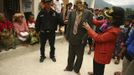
[
  {"x": 118, "y": 16},
  {"x": 28, "y": 14},
  {"x": 85, "y": 3},
  {"x": 106, "y": 8},
  {"x": 70, "y": 3},
  {"x": 91, "y": 9}
]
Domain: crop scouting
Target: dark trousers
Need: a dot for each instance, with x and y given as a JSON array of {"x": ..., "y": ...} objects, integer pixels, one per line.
[
  {"x": 75, "y": 51},
  {"x": 98, "y": 69},
  {"x": 50, "y": 36}
]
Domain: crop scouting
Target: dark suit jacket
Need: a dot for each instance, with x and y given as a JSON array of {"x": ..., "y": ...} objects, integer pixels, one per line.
[{"x": 81, "y": 32}]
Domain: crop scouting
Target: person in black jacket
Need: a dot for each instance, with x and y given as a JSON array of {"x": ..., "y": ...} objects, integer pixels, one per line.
[{"x": 46, "y": 25}]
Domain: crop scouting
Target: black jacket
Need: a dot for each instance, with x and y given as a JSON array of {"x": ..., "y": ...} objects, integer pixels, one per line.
[
  {"x": 81, "y": 33},
  {"x": 48, "y": 20}
]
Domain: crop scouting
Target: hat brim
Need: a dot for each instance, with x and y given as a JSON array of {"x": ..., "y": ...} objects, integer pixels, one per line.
[{"x": 106, "y": 14}]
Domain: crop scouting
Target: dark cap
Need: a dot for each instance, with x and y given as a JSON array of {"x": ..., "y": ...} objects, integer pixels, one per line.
[{"x": 46, "y": 1}]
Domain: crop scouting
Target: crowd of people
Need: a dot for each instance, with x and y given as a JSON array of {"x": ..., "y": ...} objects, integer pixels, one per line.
[
  {"x": 17, "y": 31},
  {"x": 108, "y": 32}
]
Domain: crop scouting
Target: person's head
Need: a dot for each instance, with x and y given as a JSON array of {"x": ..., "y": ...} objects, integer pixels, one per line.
[
  {"x": 31, "y": 18},
  {"x": 96, "y": 11},
  {"x": 91, "y": 9},
  {"x": 18, "y": 17},
  {"x": 47, "y": 3},
  {"x": 132, "y": 20},
  {"x": 2, "y": 17},
  {"x": 74, "y": 7},
  {"x": 116, "y": 14},
  {"x": 127, "y": 21},
  {"x": 70, "y": 5},
  {"x": 85, "y": 5},
  {"x": 41, "y": 5},
  {"x": 79, "y": 6}
]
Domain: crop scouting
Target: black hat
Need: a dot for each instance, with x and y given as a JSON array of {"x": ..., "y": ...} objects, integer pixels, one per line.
[
  {"x": 115, "y": 13},
  {"x": 46, "y": 1}
]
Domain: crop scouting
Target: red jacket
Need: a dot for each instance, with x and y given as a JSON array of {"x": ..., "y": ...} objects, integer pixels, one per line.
[{"x": 104, "y": 44}]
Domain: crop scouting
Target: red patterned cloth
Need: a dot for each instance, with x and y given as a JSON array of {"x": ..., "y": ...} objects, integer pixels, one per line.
[{"x": 6, "y": 25}]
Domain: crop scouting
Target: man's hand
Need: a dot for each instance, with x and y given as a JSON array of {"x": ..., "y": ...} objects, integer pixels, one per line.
[{"x": 65, "y": 21}]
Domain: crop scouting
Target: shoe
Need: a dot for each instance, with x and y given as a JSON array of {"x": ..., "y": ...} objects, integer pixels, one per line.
[
  {"x": 13, "y": 47},
  {"x": 42, "y": 59},
  {"x": 90, "y": 73},
  {"x": 78, "y": 73},
  {"x": 7, "y": 49},
  {"x": 53, "y": 59},
  {"x": 67, "y": 69}
]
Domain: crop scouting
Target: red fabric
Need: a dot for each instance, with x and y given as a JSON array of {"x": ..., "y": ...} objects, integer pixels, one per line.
[
  {"x": 98, "y": 22},
  {"x": 6, "y": 25},
  {"x": 104, "y": 44}
]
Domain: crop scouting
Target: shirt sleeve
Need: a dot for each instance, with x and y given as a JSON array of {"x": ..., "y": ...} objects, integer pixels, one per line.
[
  {"x": 98, "y": 22},
  {"x": 104, "y": 37},
  {"x": 37, "y": 23},
  {"x": 130, "y": 38}
]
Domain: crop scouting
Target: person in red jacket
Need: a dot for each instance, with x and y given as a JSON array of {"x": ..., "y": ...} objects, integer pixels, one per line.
[{"x": 105, "y": 41}]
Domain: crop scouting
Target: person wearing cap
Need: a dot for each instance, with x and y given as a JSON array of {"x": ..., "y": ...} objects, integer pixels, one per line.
[
  {"x": 77, "y": 36},
  {"x": 46, "y": 25},
  {"x": 105, "y": 41}
]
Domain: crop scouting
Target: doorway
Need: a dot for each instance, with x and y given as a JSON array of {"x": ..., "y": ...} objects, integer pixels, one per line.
[{"x": 11, "y": 7}]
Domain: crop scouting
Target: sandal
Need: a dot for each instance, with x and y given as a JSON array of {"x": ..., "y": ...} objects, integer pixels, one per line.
[{"x": 117, "y": 73}]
